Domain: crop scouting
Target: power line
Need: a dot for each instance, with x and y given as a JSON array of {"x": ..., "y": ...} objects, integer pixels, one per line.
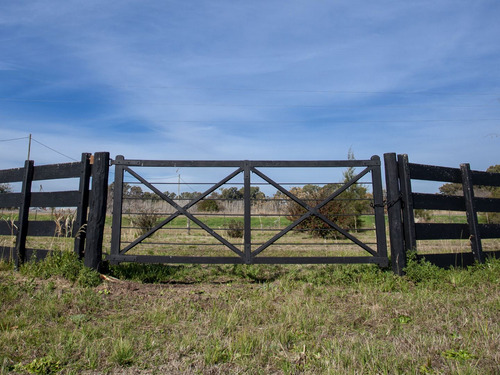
[
  {"x": 50, "y": 148},
  {"x": 13, "y": 139}
]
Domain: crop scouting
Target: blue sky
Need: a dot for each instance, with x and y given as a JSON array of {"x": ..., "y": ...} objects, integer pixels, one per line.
[{"x": 251, "y": 80}]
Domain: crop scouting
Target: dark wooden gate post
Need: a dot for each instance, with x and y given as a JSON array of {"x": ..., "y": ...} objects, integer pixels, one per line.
[
  {"x": 24, "y": 211},
  {"x": 80, "y": 229},
  {"x": 97, "y": 213},
  {"x": 468, "y": 189},
  {"x": 117, "y": 208},
  {"x": 398, "y": 254},
  {"x": 378, "y": 208},
  {"x": 410, "y": 238}
]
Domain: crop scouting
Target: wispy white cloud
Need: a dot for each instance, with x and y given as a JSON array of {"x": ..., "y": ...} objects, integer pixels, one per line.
[{"x": 122, "y": 66}]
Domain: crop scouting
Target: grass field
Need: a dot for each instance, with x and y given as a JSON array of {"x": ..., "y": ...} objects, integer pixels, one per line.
[{"x": 56, "y": 317}]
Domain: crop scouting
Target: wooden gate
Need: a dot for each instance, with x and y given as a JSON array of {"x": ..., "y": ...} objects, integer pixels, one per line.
[{"x": 173, "y": 214}]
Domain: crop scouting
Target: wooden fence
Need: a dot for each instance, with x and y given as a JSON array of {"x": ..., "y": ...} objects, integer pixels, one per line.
[
  {"x": 88, "y": 225},
  {"x": 90, "y": 201},
  {"x": 402, "y": 203}
]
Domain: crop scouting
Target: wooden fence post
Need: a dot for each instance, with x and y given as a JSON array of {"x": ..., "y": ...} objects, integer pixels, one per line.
[
  {"x": 97, "y": 212},
  {"x": 407, "y": 208},
  {"x": 378, "y": 208},
  {"x": 468, "y": 189},
  {"x": 398, "y": 254},
  {"x": 117, "y": 208},
  {"x": 80, "y": 230},
  {"x": 24, "y": 210}
]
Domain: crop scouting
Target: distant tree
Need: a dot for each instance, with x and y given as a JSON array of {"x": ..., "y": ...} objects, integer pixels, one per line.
[
  {"x": 135, "y": 192},
  {"x": 169, "y": 194},
  {"x": 5, "y": 188},
  {"x": 451, "y": 189},
  {"x": 209, "y": 205},
  {"x": 255, "y": 193},
  {"x": 494, "y": 168},
  {"x": 231, "y": 194},
  {"x": 187, "y": 195}
]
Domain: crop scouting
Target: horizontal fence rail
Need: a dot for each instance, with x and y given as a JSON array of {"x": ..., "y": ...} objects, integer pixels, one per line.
[
  {"x": 252, "y": 212},
  {"x": 72, "y": 223},
  {"x": 404, "y": 229}
]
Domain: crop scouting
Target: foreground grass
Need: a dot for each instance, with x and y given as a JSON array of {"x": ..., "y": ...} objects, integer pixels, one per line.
[{"x": 250, "y": 320}]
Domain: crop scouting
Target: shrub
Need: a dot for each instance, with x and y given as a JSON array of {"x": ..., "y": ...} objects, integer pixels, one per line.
[
  {"x": 421, "y": 270},
  {"x": 423, "y": 216},
  {"x": 344, "y": 212},
  {"x": 235, "y": 229},
  {"x": 209, "y": 205},
  {"x": 144, "y": 222}
]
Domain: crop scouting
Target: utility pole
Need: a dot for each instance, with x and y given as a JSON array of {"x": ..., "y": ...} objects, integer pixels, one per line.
[
  {"x": 188, "y": 221},
  {"x": 29, "y": 147}
]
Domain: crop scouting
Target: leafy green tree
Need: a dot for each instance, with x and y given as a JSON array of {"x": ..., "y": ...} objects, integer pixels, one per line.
[
  {"x": 231, "y": 193},
  {"x": 135, "y": 192},
  {"x": 255, "y": 193},
  {"x": 345, "y": 210},
  {"x": 451, "y": 189}
]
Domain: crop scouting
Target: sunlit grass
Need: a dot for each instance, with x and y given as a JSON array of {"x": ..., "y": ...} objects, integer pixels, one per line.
[{"x": 252, "y": 320}]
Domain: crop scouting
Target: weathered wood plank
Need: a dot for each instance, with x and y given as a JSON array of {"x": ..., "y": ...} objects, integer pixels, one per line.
[
  {"x": 24, "y": 213},
  {"x": 475, "y": 236},
  {"x": 9, "y": 254},
  {"x": 396, "y": 233},
  {"x": 97, "y": 213},
  {"x": 439, "y": 231},
  {"x": 489, "y": 230},
  {"x": 487, "y": 204},
  {"x": 7, "y": 228},
  {"x": 55, "y": 199},
  {"x": 455, "y": 259},
  {"x": 438, "y": 202},
  {"x": 56, "y": 171},
  {"x": 485, "y": 178},
  {"x": 11, "y": 175},
  {"x": 37, "y": 229},
  {"x": 80, "y": 229},
  {"x": 10, "y": 200},
  {"x": 434, "y": 173},
  {"x": 407, "y": 207}
]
